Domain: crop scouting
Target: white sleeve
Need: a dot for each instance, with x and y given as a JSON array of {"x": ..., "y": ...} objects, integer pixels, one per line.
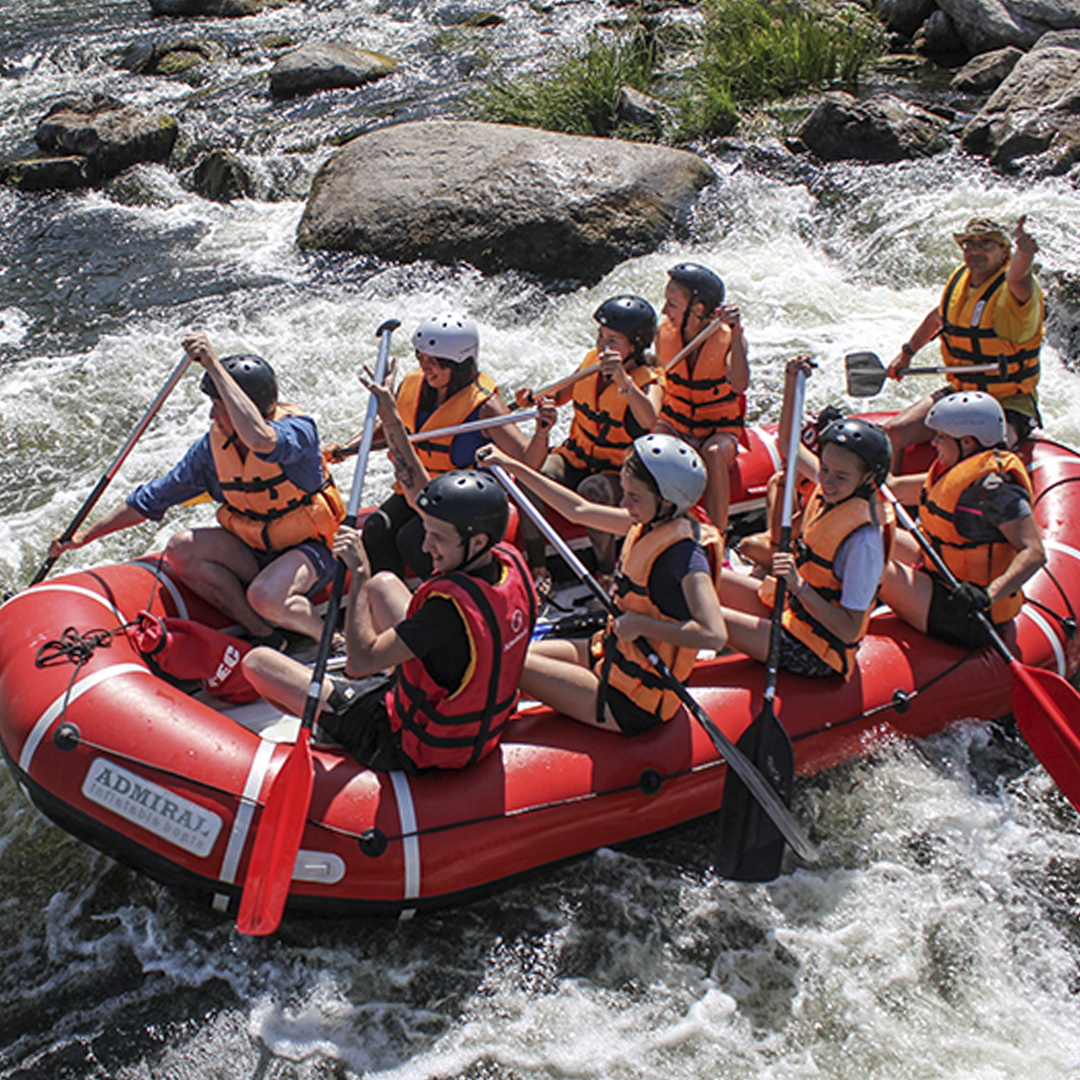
[{"x": 859, "y": 563}]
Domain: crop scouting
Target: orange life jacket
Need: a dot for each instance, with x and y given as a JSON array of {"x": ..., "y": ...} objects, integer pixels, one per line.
[
  {"x": 970, "y": 561},
  {"x": 626, "y": 669},
  {"x": 449, "y": 729},
  {"x": 698, "y": 399},
  {"x": 968, "y": 337},
  {"x": 603, "y": 427},
  {"x": 824, "y": 529},
  {"x": 462, "y": 406},
  {"x": 262, "y": 506}
]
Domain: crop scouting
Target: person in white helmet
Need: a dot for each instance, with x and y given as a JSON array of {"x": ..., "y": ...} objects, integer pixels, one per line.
[
  {"x": 446, "y": 389},
  {"x": 664, "y": 587},
  {"x": 975, "y": 507}
]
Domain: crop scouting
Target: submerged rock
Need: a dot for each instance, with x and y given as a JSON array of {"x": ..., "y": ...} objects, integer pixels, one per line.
[
  {"x": 326, "y": 66},
  {"x": 1035, "y": 112},
  {"x": 499, "y": 197},
  {"x": 226, "y": 9},
  {"x": 220, "y": 176},
  {"x": 883, "y": 128}
]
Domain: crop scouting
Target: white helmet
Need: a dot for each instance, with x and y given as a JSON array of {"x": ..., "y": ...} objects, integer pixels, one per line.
[
  {"x": 676, "y": 467},
  {"x": 450, "y": 337},
  {"x": 969, "y": 413}
]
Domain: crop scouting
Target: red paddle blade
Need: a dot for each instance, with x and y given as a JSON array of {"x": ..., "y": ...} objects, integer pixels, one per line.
[
  {"x": 277, "y": 843},
  {"x": 1047, "y": 710}
]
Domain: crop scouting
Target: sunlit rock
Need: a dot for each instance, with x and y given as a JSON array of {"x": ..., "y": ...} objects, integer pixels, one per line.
[
  {"x": 326, "y": 66},
  {"x": 498, "y": 196},
  {"x": 986, "y": 72}
]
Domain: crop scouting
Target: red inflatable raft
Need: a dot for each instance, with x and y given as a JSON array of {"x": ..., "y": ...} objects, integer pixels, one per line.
[{"x": 173, "y": 783}]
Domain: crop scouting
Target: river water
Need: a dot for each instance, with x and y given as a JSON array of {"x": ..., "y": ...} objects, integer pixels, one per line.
[{"x": 938, "y": 939}]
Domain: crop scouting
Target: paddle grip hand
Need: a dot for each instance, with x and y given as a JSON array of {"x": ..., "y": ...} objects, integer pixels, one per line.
[{"x": 969, "y": 599}]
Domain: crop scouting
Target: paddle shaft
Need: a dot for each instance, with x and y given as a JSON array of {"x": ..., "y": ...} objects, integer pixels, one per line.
[
  {"x": 457, "y": 429},
  {"x": 748, "y": 773},
  {"x": 114, "y": 468},
  {"x": 867, "y": 370}
]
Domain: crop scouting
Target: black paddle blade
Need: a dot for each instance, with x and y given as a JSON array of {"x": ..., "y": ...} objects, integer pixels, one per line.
[
  {"x": 750, "y": 847},
  {"x": 865, "y": 374}
]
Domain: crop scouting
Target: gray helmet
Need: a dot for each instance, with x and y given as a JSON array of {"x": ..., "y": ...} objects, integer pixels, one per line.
[
  {"x": 631, "y": 316},
  {"x": 675, "y": 466},
  {"x": 703, "y": 284},
  {"x": 253, "y": 375},
  {"x": 470, "y": 500},
  {"x": 969, "y": 413},
  {"x": 864, "y": 439},
  {"x": 452, "y": 337}
]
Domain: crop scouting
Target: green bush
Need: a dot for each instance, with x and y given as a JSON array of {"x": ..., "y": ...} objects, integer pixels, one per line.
[
  {"x": 581, "y": 94},
  {"x": 754, "y": 51}
]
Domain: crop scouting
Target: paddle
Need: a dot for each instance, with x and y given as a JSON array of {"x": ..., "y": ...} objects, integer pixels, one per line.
[
  {"x": 750, "y": 846},
  {"x": 738, "y": 763},
  {"x": 114, "y": 468},
  {"x": 561, "y": 384},
  {"x": 866, "y": 374},
  {"x": 1046, "y": 707},
  {"x": 281, "y": 827},
  {"x": 457, "y": 429}
]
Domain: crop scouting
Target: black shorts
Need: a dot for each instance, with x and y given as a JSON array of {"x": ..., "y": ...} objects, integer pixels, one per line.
[
  {"x": 631, "y": 717},
  {"x": 355, "y": 716},
  {"x": 945, "y": 623},
  {"x": 798, "y": 658}
]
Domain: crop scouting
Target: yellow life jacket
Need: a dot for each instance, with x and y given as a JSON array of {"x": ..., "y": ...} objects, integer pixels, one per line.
[
  {"x": 968, "y": 337},
  {"x": 603, "y": 427},
  {"x": 624, "y": 667},
  {"x": 698, "y": 399},
  {"x": 262, "y": 506},
  {"x": 824, "y": 529},
  {"x": 970, "y": 561},
  {"x": 435, "y": 454}
]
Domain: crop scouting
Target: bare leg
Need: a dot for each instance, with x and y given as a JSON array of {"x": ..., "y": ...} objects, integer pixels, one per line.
[
  {"x": 281, "y": 680},
  {"x": 908, "y": 592},
  {"x": 605, "y": 489},
  {"x": 718, "y": 454},
  {"x": 218, "y": 567},
  {"x": 557, "y": 674},
  {"x": 389, "y": 597},
  {"x": 279, "y": 594}
]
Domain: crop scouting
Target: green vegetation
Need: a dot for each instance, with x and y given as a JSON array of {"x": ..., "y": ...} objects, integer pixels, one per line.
[
  {"x": 581, "y": 94},
  {"x": 749, "y": 53}
]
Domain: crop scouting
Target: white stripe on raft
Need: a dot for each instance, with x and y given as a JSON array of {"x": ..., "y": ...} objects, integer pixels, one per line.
[
  {"x": 45, "y": 721},
  {"x": 1048, "y": 632},
  {"x": 154, "y": 566},
  {"x": 78, "y": 590},
  {"x": 1065, "y": 549},
  {"x": 246, "y": 811},
  {"x": 410, "y": 843}
]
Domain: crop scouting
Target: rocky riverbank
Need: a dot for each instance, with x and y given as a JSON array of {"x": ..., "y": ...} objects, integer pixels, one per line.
[{"x": 557, "y": 206}]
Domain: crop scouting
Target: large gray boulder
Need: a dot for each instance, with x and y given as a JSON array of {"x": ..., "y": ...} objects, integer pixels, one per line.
[
  {"x": 987, "y": 72},
  {"x": 497, "y": 196},
  {"x": 985, "y": 25},
  {"x": 326, "y": 66},
  {"x": 882, "y": 128},
  {"x": 1036, "y": 110},
  {"x": 107, "y": 133}
]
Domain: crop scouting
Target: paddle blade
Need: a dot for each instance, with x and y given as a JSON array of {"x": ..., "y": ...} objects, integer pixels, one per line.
[
  {"x": 277, "y": 843},
  {"x": 1047, "y": 710},
  {"x": 865, "y": 374},
  {"x": 750, "y": 847}
]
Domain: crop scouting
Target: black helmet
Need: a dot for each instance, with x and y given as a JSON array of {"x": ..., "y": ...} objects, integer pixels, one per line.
[
  {"x": 473, "y": 502},
  {"x": 629, "y": 315},
  {"x": 253, "y": 375},
  {"x": 864, "y": 439},
  {"x": 703, "y": 284}
]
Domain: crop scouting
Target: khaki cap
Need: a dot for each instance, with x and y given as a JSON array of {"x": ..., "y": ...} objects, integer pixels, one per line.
[{"x": 984, "y": 229}]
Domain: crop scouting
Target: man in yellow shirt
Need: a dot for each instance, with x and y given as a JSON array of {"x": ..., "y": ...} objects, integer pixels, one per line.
[{"x": 991, "y": 307}]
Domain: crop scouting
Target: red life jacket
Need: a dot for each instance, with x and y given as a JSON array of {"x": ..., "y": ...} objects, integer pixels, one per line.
[{"x": 449, "y": 729}]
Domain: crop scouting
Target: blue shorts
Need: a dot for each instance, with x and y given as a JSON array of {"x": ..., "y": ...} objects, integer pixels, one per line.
[{"x": 317, "y": 553}]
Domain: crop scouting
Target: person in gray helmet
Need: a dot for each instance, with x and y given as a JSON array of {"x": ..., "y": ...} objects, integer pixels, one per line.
[
  {"x": 664, "y": 588},
  {"x": 613, "y": 405},
  {"x": 975, "y": 507},
  {"x": 455, "y": 649},
  {"x": 261, "y": 460}
]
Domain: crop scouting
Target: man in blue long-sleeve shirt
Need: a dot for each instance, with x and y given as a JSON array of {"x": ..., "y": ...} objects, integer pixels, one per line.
[{"x": 279, "y": 508}]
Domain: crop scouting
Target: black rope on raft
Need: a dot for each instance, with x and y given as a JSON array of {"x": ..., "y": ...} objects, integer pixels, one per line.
[{"x": 75, "y": 648}]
